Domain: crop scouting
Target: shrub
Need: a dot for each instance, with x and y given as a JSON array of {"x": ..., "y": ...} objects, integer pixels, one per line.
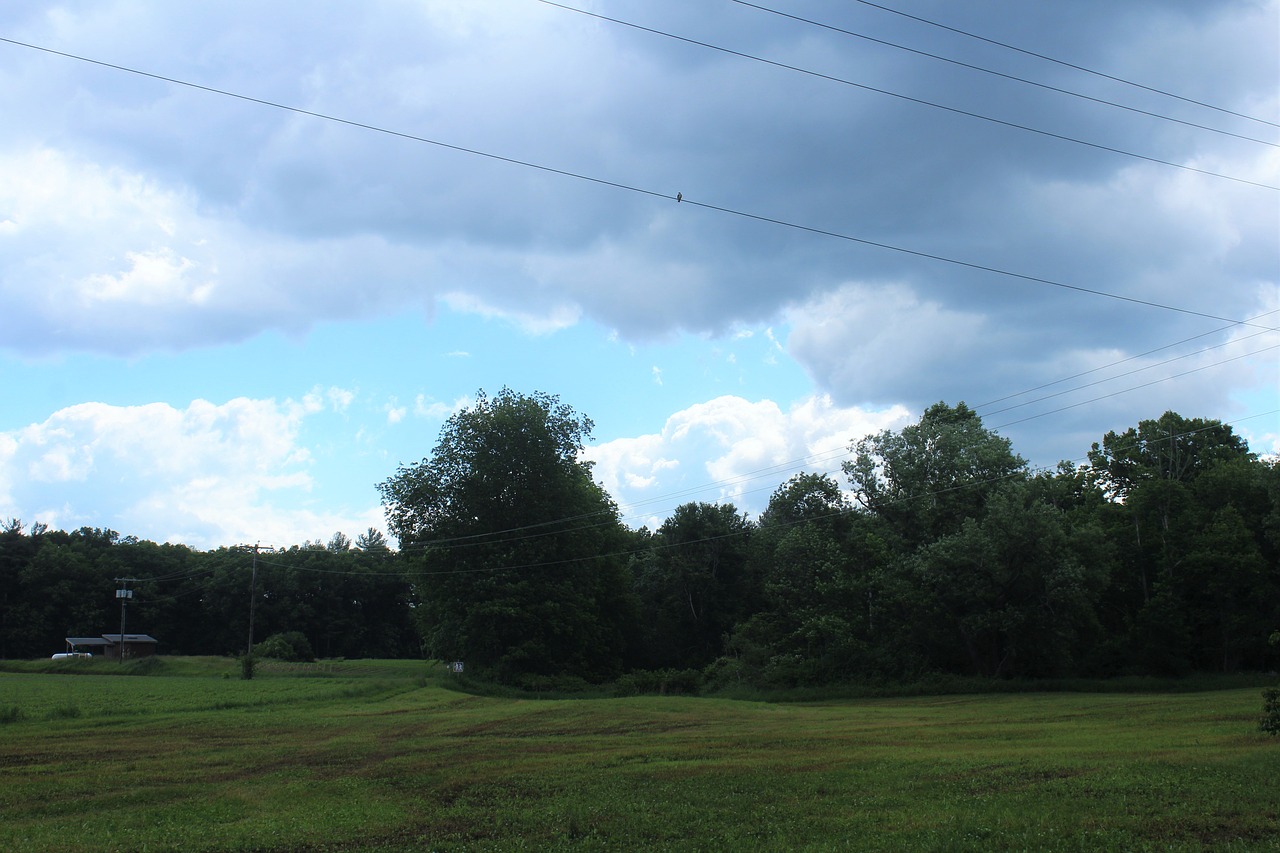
[
  {"x": 660, "y": 681},
  {"x": 1270, "y": 722},
  {"x": 560, "y": 684},
  {"x": 247, "y": 665},
  {"x": 290, "y": 646}
]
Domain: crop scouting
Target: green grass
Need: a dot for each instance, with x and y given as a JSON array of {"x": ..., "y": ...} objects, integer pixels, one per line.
[{"x": 382, "y": 755}]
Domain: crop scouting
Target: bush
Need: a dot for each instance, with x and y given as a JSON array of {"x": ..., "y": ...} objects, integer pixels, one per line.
[
  {"x": 247, "y": 665},
  {"x": 560, "y": 684},
  {"x": 1270, "y": 722},
  {"x": 290, "y": 646},
  {"x": 660, "y": 681}
]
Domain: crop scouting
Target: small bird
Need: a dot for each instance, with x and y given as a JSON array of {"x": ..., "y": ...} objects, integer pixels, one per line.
[{"x": 679, "y": 196}]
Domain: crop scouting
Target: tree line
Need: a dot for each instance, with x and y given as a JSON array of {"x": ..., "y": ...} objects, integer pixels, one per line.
[
  {"x": 348, "y": 601},
  {"x": 938, "y": 550}
]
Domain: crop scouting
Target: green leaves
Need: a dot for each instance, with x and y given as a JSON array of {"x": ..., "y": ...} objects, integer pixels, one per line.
[{"x": 516, "y": 553}]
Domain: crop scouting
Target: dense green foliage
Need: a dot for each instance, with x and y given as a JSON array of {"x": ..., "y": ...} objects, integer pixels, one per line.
[
  {"x": 381, "y": 755},
  {"x": 1270, "y": 722},
  {"x": 288, "y": 646},
  {"x": 940, "y": 553},
  {"x": 517, "y": 554},
  {"x": 53, "y": 585}
]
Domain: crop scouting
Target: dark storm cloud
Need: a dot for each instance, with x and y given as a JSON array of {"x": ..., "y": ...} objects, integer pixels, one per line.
[{"x": 298, "y": 207}]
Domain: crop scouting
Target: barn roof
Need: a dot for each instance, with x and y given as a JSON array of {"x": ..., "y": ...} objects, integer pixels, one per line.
[
  {"x": 89, "y": 641},
  {"x": 130, "y": 638}
]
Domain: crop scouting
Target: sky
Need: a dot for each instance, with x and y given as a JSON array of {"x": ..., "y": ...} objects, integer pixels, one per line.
[{"x": 253, "y": 255}]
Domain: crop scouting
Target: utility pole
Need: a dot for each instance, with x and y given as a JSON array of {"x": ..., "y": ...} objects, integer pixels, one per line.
[
  {"x": 124, "y": 594},
  {"x": 253, "y": 594}
]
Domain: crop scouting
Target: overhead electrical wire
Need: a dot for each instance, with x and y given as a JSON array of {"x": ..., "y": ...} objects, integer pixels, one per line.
[
  {"x": 652, "y": 546},
  {"x": 1125, "y": 360},
  {"x": 635, "y": 189},
  {"x": 921, "y": 101},
  {"x": 692, "y": 202},
  {"x": 400, "y": 575},
  {"x": 501, "y": 538},
  {"x": 1001, "y": 74},
  {"x": 1137, "y": 370},
  {"x": 1066, "y": 64},
  {"x": 1139, "y": 387}
]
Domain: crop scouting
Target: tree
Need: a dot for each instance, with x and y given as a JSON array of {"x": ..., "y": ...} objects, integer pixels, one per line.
[
  {"x": 1007, "y": 590},
  {"x": 1170, "y": 448},
  {"x": 696, "y": 586},
  {"x": 372, "y": 540},
  {"x": 925, "y": 480},
  {"x": 518, "y": 556},
  {"x": 981, "y": 573},
  {"x": 1189, "y": 511},
  {"x": 817, "y": 559}
]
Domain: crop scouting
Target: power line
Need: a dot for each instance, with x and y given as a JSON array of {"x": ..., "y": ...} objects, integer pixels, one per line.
[
  {"x": 967, "y": 264},
  {"x": 1066, "y": 64},
  {"x": 1129, "y": 373},
  {"x": 400, "y": 575},
  {"x": 628, "y": 187},
  {"x": 635, "y": 189},
  {"x": 899, "y": 95},
  {"x": 1125, "y": 360},
  {"x": 1002, "y": 74},
  {"x": 491, "y": 538},
  {"x": 1026, "y": 471},
  {"x": 1137, "y": 387}
]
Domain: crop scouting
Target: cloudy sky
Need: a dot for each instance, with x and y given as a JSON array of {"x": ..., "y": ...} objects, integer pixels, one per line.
[{"x": 235, "y": 299}]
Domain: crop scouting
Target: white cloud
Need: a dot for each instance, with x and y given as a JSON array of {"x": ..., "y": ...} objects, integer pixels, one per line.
[
  {"x": 96, "y": 257},
  {"x": 426, "y": 407},
  {"x": 153, "y": 278},
  {"x": 730, "y": 449},
  {"x": 882, "y": 342},
  {"x": 206, "y": 475},
  {"x": 537, "y": 319}
]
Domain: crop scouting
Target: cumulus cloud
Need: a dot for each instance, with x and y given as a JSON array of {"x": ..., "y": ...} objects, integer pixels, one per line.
[
  {"x": 874, "y": 343},
  {"x": 101, "y": 258},
  {"x": 175, "y": 217},
  {"x": 205, "y": 475},
  {"x": 730, "y": 449},
  {"x": 138, "y": 216}
]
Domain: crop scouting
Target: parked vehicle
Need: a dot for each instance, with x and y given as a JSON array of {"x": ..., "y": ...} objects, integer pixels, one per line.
[{"x": 72, "y": 655}]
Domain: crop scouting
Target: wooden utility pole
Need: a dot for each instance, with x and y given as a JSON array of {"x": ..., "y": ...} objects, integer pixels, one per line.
[
  {"x": 124, "y": 594},
  {"x": 253, "y": 594}
]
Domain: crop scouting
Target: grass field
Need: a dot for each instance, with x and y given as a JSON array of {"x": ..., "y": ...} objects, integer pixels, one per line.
[{"x": 382, "y": 755}]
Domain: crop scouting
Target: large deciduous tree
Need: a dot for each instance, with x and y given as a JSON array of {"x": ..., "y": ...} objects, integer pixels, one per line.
[
  {"x": 928, "y": 478},
  {"x": 517, "y": 554}
]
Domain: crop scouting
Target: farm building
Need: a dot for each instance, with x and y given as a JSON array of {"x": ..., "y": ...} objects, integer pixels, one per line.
[{"x": 111, "y": 647}]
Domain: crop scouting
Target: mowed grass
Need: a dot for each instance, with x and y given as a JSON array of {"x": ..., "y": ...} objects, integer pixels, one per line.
[{"x": 383, "y": 756}]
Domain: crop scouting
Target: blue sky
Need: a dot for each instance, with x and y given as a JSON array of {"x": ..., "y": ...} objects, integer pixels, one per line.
[{"x": 226, "y": 322}]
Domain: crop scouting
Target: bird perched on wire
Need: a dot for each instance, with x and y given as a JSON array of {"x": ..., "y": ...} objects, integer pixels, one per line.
[{"x": 679, "y": 196}]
